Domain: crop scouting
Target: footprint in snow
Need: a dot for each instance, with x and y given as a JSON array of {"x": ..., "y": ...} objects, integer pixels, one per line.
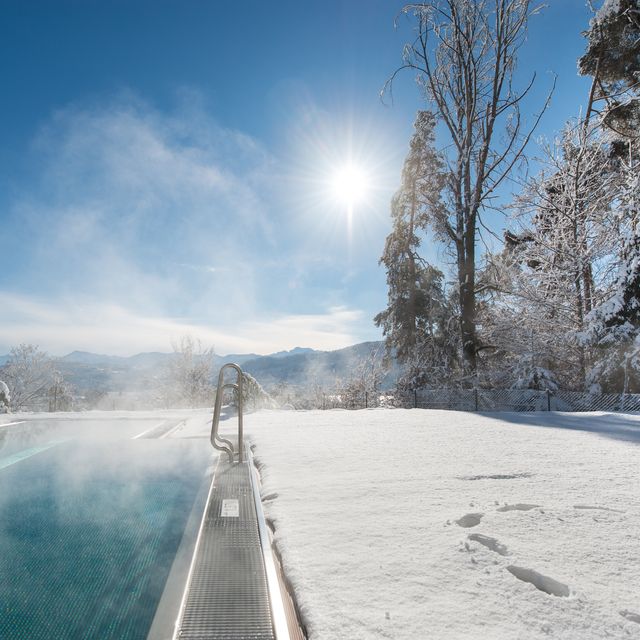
[
  {"x": 586, "y": 506},
  {"x": 630, "y": 615},
  {"x": 497, "y": 476},
  {"x": 470, "y": 520},
  {"x": 521, "y": 506},
  {"x": 539, "y": 581},
  {"x": 491, "y": 543}
]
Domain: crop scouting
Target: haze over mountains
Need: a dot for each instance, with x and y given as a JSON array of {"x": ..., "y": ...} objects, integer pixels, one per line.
[{"x": 303, "y": 367}]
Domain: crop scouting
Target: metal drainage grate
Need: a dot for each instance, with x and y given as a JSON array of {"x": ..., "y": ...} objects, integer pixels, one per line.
[{"x": 227, "y": 596}]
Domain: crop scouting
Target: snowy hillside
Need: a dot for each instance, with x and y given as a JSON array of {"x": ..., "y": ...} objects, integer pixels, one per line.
[{"x": 425, "y": 524}]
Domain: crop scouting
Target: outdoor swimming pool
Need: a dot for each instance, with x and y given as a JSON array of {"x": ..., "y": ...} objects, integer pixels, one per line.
[{"x": 96, "y": 528}]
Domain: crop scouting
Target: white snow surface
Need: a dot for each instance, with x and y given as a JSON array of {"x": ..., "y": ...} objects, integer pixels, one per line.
[{"x": 415, "y": 524}]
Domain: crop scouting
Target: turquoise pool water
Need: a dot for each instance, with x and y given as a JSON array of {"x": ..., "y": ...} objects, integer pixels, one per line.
[{"x": 88, "y": 534}]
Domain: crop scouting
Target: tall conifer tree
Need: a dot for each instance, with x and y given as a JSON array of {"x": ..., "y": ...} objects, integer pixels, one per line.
[
  {"x": 415, "y": 288},
  {"x": 612, "y": 58}
]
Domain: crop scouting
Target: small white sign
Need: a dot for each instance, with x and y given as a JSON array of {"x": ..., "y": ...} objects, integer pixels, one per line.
[{"x": 230, "y": 509}]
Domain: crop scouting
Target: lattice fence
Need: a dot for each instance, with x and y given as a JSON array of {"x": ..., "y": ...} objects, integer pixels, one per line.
[
  {"x": 572, "y": 401},
  {"x": 487, "y": 400}
]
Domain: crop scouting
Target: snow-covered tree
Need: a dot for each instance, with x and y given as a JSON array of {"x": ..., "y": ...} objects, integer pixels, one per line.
[
  {"x": 28, "y": 374},
  {"x": 5, "y": 398},
  {"x": 560, "y": 298},
  {"x": 562, "y": 259},
  {"x": 529, "y": 376},
  {"x": 435, "y": 362},
  {"x": 614, "y": 325},
  {"x": 60, "y": 395},
  {"x": 414, "y": 297},
  {"x": 464, "y": 56},
  {"x": 254, "y": 395},
  {"x": 612, "y": 58},
  {"x": 365, "y": 379},
  {"x": 189, "y": 374}
]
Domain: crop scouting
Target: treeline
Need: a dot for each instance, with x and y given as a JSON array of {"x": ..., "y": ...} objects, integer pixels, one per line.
[
  {"x": 31, "y": 380},
  {"x": 557, "y": 304}
]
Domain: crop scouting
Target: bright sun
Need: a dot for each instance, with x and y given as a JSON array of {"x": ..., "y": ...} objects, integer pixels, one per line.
[{"x": 350, "y": 185}]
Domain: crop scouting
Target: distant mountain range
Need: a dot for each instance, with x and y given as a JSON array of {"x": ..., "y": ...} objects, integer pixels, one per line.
[
  {"x": 301, "y": 367},
  {"x": 306, "y": 367}
]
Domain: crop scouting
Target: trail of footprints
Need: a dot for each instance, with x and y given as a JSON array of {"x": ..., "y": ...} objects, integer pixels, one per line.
[
  {"x": 539, "y": 581},
  {"x": 544, "y": 583}
]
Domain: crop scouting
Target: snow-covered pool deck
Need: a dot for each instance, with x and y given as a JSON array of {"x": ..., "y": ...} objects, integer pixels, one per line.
[{"x": 415, "y": 524}]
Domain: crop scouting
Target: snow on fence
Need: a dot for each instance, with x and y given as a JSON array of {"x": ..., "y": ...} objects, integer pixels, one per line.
[{"x": 486, "y": 400}]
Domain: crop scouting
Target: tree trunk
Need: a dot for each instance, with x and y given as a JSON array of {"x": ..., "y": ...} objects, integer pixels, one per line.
[
  {"x": 468, "y": 333},
  {"x": 467, "y": 296}
]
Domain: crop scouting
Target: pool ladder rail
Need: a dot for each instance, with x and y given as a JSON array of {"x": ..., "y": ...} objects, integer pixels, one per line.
[{"x": 218, "y": 442}]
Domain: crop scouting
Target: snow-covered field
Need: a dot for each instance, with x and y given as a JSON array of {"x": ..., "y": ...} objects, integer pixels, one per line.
[{"x": 414, "y": 524}]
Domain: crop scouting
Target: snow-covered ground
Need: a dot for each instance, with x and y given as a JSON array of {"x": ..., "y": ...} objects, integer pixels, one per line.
[{"x": 414, "y": 524}]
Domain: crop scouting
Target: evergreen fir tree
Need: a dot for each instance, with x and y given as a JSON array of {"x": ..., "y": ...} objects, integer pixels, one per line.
[
  {"x": 614, "y": 326},
  {"x": 613, "y": 59},
  {"x": 415, "y": 295}
]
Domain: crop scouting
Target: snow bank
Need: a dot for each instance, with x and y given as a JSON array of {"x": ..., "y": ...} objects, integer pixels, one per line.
[{"x": 413, "y": 524}]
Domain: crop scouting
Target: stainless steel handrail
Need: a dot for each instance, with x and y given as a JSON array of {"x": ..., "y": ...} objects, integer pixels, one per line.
[{"x": 217, "y": 441}]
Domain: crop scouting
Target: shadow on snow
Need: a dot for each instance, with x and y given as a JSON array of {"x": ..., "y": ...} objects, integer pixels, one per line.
[{"x": 619, "y": 426}]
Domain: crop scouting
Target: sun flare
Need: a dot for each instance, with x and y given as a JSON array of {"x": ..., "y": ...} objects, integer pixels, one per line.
[{"x": 350, "y": 185}]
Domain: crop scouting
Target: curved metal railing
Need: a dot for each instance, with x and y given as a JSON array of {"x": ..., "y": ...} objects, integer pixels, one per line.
[{"x": 218, "y": 442}]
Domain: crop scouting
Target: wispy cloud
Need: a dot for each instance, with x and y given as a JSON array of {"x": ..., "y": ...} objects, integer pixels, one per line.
[
  {"x": 125, "y": 192},
  {"x": 104, "y": 327},
  {"x": 204, "y": 268}
]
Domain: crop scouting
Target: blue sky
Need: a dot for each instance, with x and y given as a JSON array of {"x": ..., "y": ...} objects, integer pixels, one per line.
[{"x": 165, "y": 167}]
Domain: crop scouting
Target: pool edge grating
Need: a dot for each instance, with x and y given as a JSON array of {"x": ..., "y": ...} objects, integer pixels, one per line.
[{"x": 227, "y": 595}]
